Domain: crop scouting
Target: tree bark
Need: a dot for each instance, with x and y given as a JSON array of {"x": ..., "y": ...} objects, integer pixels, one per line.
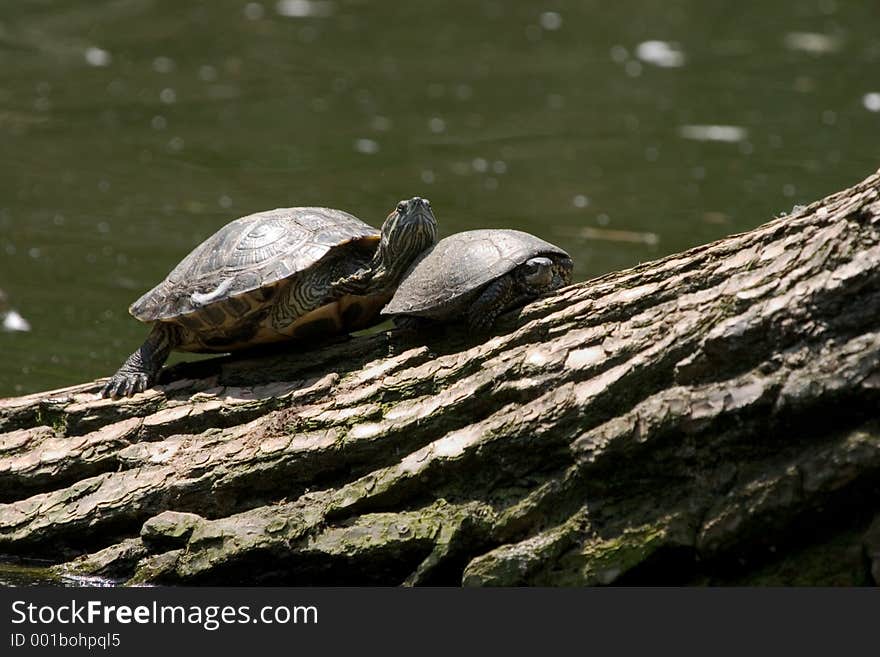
[{"x": 710, "y": 417}]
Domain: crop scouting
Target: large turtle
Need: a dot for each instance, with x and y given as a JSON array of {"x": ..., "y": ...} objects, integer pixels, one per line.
[
  {"x": 275, "y": 275},
  {"x": 478, "y": 274}
]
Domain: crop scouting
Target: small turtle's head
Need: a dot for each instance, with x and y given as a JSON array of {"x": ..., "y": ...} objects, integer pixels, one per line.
[
  {"x": 542, "y": 274},
  {"x": 407, "y": 232},
  {"x": 536, "y": 274}
]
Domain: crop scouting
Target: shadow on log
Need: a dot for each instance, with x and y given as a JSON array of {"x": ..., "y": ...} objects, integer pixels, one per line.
[{"x": 710, "y": 417}]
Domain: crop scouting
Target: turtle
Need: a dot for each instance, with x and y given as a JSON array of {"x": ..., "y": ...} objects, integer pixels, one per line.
[
  {"x": 288, "y": 273},
  {"x": 477, "y": 275}
]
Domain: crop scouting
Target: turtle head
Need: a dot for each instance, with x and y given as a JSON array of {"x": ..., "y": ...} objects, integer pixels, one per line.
[
  {"x": 535, "y": 275},
  {"x": 407, "y": 232},
  {"x": 542, "y": 274}
]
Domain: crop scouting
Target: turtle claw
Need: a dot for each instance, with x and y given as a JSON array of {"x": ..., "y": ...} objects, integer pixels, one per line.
[
  {"x": 125, "y": 384},
  {"x": 141, "y": 369}
]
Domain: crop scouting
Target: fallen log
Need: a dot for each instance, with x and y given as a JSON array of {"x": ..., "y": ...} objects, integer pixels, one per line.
[{"x": 710, "y": 417}]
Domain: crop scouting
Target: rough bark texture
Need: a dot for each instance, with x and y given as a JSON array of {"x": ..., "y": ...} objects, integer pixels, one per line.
[{"x": 710, "y": 417}]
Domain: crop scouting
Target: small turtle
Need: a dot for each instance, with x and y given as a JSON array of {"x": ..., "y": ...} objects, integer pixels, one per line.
[
  {"x": 478, "y": 274},
  {"x": 271, "y": 276}
]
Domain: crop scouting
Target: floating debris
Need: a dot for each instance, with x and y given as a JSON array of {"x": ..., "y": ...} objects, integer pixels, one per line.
[
  {"x": 725, "y": 133},
  {"x": 715, "y": 217},
  {"x": 15, "y": 322},
  {"x": 633, "y": 68},
  {"x": 366, "y": 146},
  {"x": 612, "y": 235},
  {"x": 207, "y": 73},
  {"x": 811, "y": 42},
  {"x": 619, "y": 54},
  {"x": 304, "y": 8},
  {"x": 551, "y": 20},
  {"x": 253, "y": 11},
  {"x": 97, "y": 56},
  {"x": 661, "y": 53},
  {"x": 10, "y": 320},
  {"x": 163, "y": 64},
  {"x": 871, "y": 101},
  {"x": 437, "y": 125}
]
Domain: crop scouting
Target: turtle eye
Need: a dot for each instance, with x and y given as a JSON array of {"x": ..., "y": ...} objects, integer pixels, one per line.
[{"x": 401, "y": 207}]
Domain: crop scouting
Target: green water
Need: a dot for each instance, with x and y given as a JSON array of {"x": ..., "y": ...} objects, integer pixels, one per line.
[{"x": 132, "y": 129}]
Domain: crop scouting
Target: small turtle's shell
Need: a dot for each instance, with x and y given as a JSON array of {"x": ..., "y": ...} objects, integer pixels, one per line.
[
  {"x": 461, "y": 264},
  {"x": 249, "y": 254}
]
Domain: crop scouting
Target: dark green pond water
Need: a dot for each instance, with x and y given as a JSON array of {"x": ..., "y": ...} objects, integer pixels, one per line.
[{"x": 130, "y": 130}]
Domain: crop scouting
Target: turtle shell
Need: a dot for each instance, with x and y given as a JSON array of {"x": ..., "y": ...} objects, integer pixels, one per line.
[
  {"x": 249, "y": 254},
  {"x": 461, "y": 264}
]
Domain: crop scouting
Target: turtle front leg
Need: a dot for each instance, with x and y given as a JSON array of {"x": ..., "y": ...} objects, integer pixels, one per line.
[
  {"x": 358, "y": 283},
  {"x": 141, "y": 369},
  {"x": 528, "y": 281},
  {"x": 373, "y": 280},
  {"x": 355, "y": 278},
  {"x": 498, "y": 296}
]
